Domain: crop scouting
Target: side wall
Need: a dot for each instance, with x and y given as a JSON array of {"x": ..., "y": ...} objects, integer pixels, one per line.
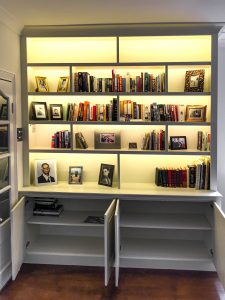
[
  {"x": 221, "y": 118},
  {"x": 10, "y": 61}
]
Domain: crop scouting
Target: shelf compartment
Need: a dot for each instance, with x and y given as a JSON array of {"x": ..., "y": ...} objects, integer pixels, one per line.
[
  {"x": 71, "y": 49},
  {"x": 66, "y": 250},
  {"x": 67, "y": 218},
  {"x": 165, "y": 221},
  {"x": 166, "y": 254},
  {"x": 188, "y": 48}
]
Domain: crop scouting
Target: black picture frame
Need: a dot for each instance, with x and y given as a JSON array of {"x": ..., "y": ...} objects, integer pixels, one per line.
[
  {"x": 132, "y": 145},
  {"x": 39, "y": 111},
  {"x": 75, "y": 175},
  {"x": 107, "y": 140},
  {"x": 178, "y": 143},
  {"x": 56, "y": 111},
  {"x": 106, "y": 175}
]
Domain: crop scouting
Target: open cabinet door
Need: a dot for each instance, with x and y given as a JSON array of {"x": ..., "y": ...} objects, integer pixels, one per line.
[
  {"x": 17, "y": 236},
  {"x": 117, "y": 242},
  {"x": 219, "y": 218},
  {"x": 109, "y": 238}
]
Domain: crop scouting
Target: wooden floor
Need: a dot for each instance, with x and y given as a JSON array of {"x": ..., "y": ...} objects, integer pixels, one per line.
[{"x": 45, "y": 282}]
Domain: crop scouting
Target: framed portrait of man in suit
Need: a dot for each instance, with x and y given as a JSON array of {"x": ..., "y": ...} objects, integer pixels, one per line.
[{"x": 45, "y": 172}]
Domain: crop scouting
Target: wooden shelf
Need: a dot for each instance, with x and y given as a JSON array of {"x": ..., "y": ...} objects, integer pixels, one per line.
[{"x": 119, "y": 94}]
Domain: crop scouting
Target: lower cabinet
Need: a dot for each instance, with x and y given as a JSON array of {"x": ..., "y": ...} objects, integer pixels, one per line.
[
  {"x": 5, "y": 253},
  {"x": 185, "y": 235}
]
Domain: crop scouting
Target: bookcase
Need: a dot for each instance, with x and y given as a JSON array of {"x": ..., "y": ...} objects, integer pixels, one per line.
[{"x": 155, "y": 227}]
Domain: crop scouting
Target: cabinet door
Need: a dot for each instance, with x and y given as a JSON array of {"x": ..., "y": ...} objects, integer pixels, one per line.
[
  {"x": 17, "y": 236},
  {"x": 219, "y": 217},
  {"x": 109, "y": 238},
  {"x": 117, "y": 242}
]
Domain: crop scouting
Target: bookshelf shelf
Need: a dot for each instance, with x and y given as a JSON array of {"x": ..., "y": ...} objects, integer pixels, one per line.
[{"x": 119, "y": 94}]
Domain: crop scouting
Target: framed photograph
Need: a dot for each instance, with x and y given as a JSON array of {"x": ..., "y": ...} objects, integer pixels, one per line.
[
  {"x": 75, "y": 175},
  {"x": 196, "y": 113},
  {"x": 132, "y": 145},
  {"x": 39, "y": 111},
  {"x": 194, "y": 81},
  {"x": 106, "y": 175},
  {"x": 107, "y": 140},
  {"x": 63, "y": 84},
  {"x": 45, "y": 172},
  {"x": 42, "y": 84},
  {"x": 4, "y": 112},
  {"x": 56, "y": 111},
  {"x": 178, "y": 143}
]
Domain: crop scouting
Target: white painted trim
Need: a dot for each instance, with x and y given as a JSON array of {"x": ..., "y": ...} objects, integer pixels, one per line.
[{"x": 10, "y": 21}]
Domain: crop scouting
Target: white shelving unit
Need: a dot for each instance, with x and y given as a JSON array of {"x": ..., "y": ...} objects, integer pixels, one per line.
[{"x": 155, "y": 227}]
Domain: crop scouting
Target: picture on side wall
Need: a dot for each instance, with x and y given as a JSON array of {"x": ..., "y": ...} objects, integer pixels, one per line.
[{"x": 45, "y": 172}]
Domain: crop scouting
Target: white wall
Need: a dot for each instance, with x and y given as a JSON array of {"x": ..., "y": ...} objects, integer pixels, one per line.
[
  {"x": 221, "y": 119},
  {"x": 10, "y": 61}
]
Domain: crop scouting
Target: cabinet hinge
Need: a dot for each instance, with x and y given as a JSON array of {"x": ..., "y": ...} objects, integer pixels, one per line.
[
  {"x": 211, "y": 251},
  {"x": 27, "y": 244},
  {"x": 19, "y": 134}
]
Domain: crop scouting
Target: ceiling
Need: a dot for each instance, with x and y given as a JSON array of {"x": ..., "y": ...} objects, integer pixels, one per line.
[{"x": 58, "y": 12}]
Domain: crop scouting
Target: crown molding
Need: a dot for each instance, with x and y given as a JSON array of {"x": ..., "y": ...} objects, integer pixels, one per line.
[{"x": 10, "y": 21}]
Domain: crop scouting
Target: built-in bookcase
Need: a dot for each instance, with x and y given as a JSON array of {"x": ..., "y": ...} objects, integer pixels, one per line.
[{"x": 148, "y": 219}]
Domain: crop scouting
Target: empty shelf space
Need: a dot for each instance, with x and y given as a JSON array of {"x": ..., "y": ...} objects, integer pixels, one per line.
[
  {"x": 165, "y": 221},
  {"x": 67, "y": 246},
  {"x": 153, "y": 249},
  {"x": 67, "y": 218}
]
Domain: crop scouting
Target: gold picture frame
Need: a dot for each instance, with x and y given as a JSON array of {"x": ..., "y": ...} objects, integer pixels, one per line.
[
  {"x": 194, "y": 81},
  {"x": 42, "y": 84},
  {"x": 63, "y": 84},
  {"x": 196, "y": 113}
]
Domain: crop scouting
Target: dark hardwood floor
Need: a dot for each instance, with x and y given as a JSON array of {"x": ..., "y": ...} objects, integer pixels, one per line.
[{"x": 47, "y": 282}]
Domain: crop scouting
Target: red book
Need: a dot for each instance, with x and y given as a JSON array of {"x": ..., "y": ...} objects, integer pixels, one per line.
[
  {"x": 139, "y": 84},
  {"x": 113, "y": 80},
  {"x": 94, "y": 113},
  {"x": 184, "y": 178}
]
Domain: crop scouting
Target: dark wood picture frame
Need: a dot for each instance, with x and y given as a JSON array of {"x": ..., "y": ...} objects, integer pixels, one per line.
[
  {"x": 194, "y": 81},
  {"x": 132, "y": 145},
  {"x": 76, "y": 178},
  {"x": 40, "y": 113},
  {"x": 107, "y": 140},
  {"x": 196, "y": 113},
  {"x": 56, "y": 111},
  {"x": 178, "y": 142},
  {"x": 106, "y": 175}
]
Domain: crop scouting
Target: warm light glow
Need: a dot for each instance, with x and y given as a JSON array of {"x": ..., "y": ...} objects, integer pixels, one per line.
[
  {"x": 71, "y": 49},
  {"x": 165, "y": 48}
]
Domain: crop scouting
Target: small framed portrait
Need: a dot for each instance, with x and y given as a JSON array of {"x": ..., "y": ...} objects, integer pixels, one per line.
[
  {"x": 106, "y": 175},
  {"x": 178, "y": 143},
  {"x": 75, "y": 175},
  {"x": 45, "y": 172},
  {"x": 63, "y": 84},
  {"x": 107, "y": 140},
  {"x": 42, "y": 84},
  {"x": 196, "y": 113},
  {"x": 4, "y": 112},
  {"x": 132, "y": 145},
  {"x": 194, "y": 81},
  {"x": 56, "y": 112},
  {"x": 39, "y": 111}
]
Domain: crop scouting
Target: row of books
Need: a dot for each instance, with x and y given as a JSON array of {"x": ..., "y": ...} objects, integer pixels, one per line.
[
  {"x": 193, "y": 176},
  {"x": 154, "y": 140},
  {"x": 61, "y": 139},
  {"x": 145, "y": 82},
  {"x": 47, "y": 207},
  {"x": 203, "y": 143},
  {"x": 86, "y": 111},
  {"x": 130, "y": 110}
]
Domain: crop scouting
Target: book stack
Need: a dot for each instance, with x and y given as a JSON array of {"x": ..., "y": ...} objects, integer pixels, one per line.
[
  {"x": 80, "y": 141},
  {"x": 154, "y": 140},
  {"x": 61, "y": 139},
  {"x": 193, "y": 176},
  {"x": 145, "y": 82},
  {"x": 203, "y": 141},
  {"x": 47, "y": 207},
  {"x": 92, "y": 112},
  {"x": 130, "y": 110}
]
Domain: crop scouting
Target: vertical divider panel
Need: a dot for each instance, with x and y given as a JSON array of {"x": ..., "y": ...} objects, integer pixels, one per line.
[
  {"x": 166, "y": 79},
  {"x": 109, "y": 239},
  {"x": 117, "y": 242},
  {"x": 71, "y": 79}
]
